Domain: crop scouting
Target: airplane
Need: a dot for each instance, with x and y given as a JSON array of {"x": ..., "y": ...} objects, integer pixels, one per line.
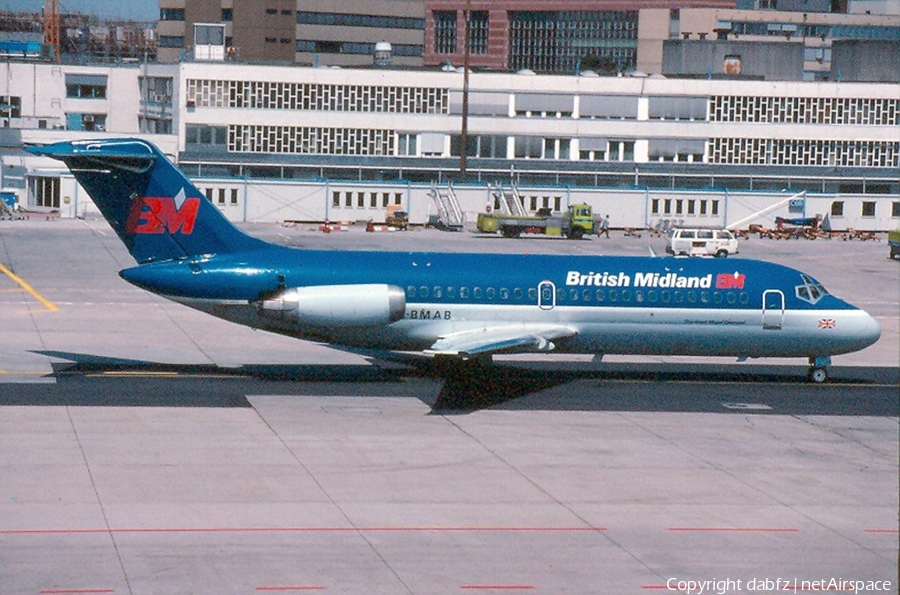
[{"x": 463, "y": 307}]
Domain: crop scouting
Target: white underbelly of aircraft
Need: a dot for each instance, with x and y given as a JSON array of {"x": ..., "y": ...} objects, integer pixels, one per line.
[{"x": 603, "y": 330}]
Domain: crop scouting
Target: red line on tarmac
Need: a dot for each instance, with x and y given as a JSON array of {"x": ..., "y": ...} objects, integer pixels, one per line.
[
  {"x": 882, "y": 530},
  {"x": 69, "y": 591},
  {"x": 734, "y": 529},
  {"x": 293, "y": 588},
  {"x": 497, "y": 587},
  {"x": 305, "y": 530}
]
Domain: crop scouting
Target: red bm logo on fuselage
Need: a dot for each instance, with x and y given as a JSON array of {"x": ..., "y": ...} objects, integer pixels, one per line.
[
  {"x": 162, "y": 215},
  {"x": 730, "y": 281}
]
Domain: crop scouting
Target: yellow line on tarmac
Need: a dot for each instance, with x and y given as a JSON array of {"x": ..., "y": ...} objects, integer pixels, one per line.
[{"x": 21, "y": 282}]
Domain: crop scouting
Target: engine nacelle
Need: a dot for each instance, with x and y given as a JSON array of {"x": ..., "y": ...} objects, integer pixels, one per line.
[{"x": 337, "y": 305}]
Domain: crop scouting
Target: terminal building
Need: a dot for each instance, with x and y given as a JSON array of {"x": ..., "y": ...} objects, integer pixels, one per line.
[{"x": 277, "y": 143}]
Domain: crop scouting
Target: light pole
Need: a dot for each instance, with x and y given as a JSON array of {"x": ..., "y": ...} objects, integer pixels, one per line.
[{"x": 464, "y": 133}]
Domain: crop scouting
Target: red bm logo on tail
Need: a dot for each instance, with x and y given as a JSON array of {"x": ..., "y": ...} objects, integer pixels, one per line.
[
  {"x": 730, "y": 281},
  {"x": 162, "y": 215}
]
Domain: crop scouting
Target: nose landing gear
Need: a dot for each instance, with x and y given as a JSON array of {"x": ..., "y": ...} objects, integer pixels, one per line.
[{"x": 818, "y": 369}]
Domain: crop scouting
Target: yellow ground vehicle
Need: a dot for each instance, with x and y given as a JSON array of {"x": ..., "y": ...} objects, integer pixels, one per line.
[{"x": 573, "y": 224}]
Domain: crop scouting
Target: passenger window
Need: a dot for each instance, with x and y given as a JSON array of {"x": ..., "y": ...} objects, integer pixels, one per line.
[
  {"x": 504, "y": 294},
  {"x": 613, "y": 295},
  {"x": 666, "y": 297},
  {"x": 731, "y": 297},
  {"x": 745, "y": 299},
  {"x": 423, "y": 292},
  {"x": 477, "y": 293},
  {"x": 705, "y": 234},
  {"x": 626, "y": 295},
  {"x": 692, "y": 297},
  {"x": 464, "y": 292},
  {"x": 704, "y": 297},
  {"x": 586, "y": 295},
  {"x": 532, "y": 294},
  {"x": 573, "y": 295},
  {"x": 679, "y": 297},
  {"x": 560, "y": 295},
  {"x": 717, "y": 297},
  {"x": 437, "y": 292},
  {"x": 451, "y": 291},
  {"x": 639, "y": 296},
  {"x": 651, "y": 296},
  {"x": 491, "y": 293},
  {"x": 601, "y": 295},
  {"x": 410, "y": 292},
  {"x": 517, "y": 293},
  {"x": 688, "y": 235}
]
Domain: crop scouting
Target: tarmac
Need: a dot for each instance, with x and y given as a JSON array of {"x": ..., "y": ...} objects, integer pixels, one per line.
[{"x": 146, "y": 448}]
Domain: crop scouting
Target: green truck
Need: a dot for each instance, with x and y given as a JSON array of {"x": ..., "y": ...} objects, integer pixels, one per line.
[{"x": 573, "y": 224}]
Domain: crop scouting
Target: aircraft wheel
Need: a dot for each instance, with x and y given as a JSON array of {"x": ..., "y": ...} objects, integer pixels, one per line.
[{"x": 817, "y": 375}]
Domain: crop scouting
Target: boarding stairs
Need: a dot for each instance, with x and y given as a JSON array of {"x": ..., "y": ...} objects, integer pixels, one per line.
[
  {"x": 508, "y": 201},
  {"x": 450, "y": 215}
]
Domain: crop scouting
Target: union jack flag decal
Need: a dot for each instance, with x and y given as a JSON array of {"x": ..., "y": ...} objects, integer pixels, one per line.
[{"x": 826, "y": 323}]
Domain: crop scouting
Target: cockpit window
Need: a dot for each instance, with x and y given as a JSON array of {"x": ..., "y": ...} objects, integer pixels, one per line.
[{"x": 811, "y": 290}]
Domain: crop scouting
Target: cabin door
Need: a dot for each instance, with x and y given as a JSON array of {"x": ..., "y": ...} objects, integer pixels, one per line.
[
  {"x": 546, "y": 295},
  {"x": 772, "y": 309}
]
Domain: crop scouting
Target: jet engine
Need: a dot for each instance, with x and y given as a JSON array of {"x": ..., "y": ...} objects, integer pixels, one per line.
[{"x": 337, "y": 305}]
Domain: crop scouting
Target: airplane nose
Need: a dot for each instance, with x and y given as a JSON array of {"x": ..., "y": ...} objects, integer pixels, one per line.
[{"x": 870, "y": 330}]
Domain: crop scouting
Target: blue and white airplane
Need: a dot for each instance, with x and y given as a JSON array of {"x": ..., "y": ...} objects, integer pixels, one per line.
[{"x": 463, "y": 306}]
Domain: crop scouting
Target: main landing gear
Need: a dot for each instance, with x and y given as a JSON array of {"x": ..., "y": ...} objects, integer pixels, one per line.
[{"x": 818, "y": 369}]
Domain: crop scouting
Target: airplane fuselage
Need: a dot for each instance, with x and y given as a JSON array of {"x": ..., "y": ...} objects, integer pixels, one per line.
[
  {"x": 613, "y": 305},
  {"x": 458, "y": 305}
]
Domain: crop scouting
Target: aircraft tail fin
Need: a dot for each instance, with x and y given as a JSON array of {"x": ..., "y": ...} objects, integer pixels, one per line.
[{"x": 156, "y": 211}]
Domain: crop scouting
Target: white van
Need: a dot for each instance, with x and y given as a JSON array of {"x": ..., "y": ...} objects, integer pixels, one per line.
[{"x": 701, "y": 242}]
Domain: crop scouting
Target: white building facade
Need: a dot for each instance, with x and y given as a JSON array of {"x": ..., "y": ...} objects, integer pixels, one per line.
[{"x": 274, "y": 143}]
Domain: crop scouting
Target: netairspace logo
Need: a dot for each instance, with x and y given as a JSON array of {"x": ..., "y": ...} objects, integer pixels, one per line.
[{"x": 767, "y": 585}]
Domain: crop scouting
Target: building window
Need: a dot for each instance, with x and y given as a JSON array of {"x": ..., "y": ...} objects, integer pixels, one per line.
[
  {"x": 895, "y": 209},
  {"x": 10, "y": 107},
  {"x": 406, "y": 144},
  {"x": 45, "y": 192},
  {"x": 171, "y": 14},
  {"x": 444, "y": 32},
  {"x": 334, "y": 19},
  {"x": 86, "y": 122},
  {"x": 200, "y": 134},
  {"x": 478, "y": 32},
  {"x": 171, "y": 41},
  {"x": 868, "y": 208},
  {"x": 234, "y": 196},
  {"x": 561, "y": 41},
  {"x": 837, "y": 208},
  {"x": 227, "y": 15},
  {"x": 86, "y": 86}
]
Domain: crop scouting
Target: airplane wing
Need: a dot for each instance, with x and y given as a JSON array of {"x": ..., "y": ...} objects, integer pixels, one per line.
[{"x": 495, "y": 339}]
